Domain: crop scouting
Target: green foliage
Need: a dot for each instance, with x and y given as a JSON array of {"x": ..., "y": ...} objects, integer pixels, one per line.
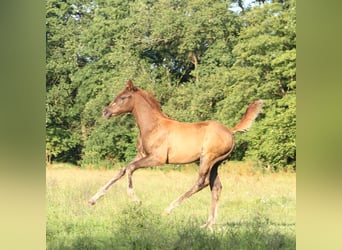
[
  {"x": 109, "y": 144},
  {"x": 273, "y": 140},
  {"x": 200, "y": 59}
]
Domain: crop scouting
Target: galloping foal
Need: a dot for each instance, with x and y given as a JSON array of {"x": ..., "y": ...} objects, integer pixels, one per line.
[{"x": 163, "y": 140}]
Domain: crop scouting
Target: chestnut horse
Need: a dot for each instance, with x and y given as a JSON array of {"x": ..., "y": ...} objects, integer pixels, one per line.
[{"x": 163, "y": 140}]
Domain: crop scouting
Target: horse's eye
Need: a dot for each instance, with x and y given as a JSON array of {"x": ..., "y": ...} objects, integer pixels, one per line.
[{"x": 124, "y": 97}]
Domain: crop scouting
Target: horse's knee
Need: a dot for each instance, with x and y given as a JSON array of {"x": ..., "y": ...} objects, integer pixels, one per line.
[
  {"x": 121, "y": 173},
  {"x": 130, "y": 169}
]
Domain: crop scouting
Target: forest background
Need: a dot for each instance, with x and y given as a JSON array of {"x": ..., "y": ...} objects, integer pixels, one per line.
[{"x": 201, "y": 59}]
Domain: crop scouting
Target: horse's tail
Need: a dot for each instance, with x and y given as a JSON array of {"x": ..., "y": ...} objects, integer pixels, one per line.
[{"x": 252, "y": 112}]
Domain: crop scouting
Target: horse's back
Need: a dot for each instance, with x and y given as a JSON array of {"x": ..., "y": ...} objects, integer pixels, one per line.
[{"x": 188, "y": 141}]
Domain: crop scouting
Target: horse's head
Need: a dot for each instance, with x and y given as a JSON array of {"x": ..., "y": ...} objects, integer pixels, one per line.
[{"x": 123, "y": 102}]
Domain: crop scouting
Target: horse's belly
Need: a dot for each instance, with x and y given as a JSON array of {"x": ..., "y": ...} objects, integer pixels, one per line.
[
  {"x": 184, "y": 152},
  {"x": 180, "y": 159}
]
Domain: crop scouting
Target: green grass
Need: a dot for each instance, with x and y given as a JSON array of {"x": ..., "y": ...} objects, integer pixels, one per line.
[{"x": 257, "y": 210}]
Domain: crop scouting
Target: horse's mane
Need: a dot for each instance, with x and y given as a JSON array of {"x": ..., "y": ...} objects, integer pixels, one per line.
[{"x": 152, "y": 101}]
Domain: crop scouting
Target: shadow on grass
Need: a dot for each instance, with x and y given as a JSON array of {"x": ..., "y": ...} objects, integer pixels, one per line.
[{"x": 136, "y": 227}]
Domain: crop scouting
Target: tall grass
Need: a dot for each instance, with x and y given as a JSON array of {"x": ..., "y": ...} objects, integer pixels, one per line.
[{"x": 257, "y": 211}]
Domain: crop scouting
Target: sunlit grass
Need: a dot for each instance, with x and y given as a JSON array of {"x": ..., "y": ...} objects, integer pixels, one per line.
[{"x": 257, "y": 210}]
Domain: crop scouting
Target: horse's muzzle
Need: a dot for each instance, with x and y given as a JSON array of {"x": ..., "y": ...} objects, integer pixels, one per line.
[{"x": 107, "y": 113}]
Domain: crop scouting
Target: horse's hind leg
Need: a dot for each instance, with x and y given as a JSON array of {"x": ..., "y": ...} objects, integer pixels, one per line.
[
  {"x": 202, "y": 182},
  {"x": 215, "y": 187},
  {"x": 199, "y": 185}
]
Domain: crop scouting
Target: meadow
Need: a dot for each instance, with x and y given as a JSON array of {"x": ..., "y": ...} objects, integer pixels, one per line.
[{"x": 257, "y": 210}]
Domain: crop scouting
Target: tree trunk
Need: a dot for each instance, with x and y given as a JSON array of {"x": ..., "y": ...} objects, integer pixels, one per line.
[{"x": 194, "y": 60}]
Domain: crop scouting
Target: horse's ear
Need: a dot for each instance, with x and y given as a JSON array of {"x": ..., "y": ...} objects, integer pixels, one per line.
[{"x": 130, "y": 86}]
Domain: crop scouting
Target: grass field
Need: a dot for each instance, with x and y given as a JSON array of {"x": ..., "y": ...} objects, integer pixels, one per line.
[{"x": 257, "y": 210}]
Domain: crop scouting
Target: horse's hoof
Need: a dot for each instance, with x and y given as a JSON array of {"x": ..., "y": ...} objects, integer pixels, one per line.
[
  {"x": 208, "y": 225},
  {"x": 91, "y": 202},
  {"x": 136, "y": 201},
  {"x": 166, "y": 212}
]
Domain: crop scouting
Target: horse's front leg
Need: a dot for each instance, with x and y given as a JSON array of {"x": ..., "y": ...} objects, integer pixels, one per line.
[
  {"x": 102, "y": 191},
  {"x": 141, "y": 154},
  {"x": 130, "y": 190},
  {"x": 138, "y": 162},
  {"x": 147, "y": 161}
]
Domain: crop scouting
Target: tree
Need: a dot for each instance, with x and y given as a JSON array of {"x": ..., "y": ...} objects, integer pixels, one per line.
[
  {"x": 265, "y": 67},
  {"x": 199, "y": 58},
  {"x": 61, "y": 63}
]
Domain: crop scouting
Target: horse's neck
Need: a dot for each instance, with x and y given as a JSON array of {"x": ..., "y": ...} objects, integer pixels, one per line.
[{"x": 147, "y": 117}]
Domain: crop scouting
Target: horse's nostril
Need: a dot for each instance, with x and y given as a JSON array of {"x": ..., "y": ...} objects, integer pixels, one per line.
[{"x": 106, "y": 113}]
